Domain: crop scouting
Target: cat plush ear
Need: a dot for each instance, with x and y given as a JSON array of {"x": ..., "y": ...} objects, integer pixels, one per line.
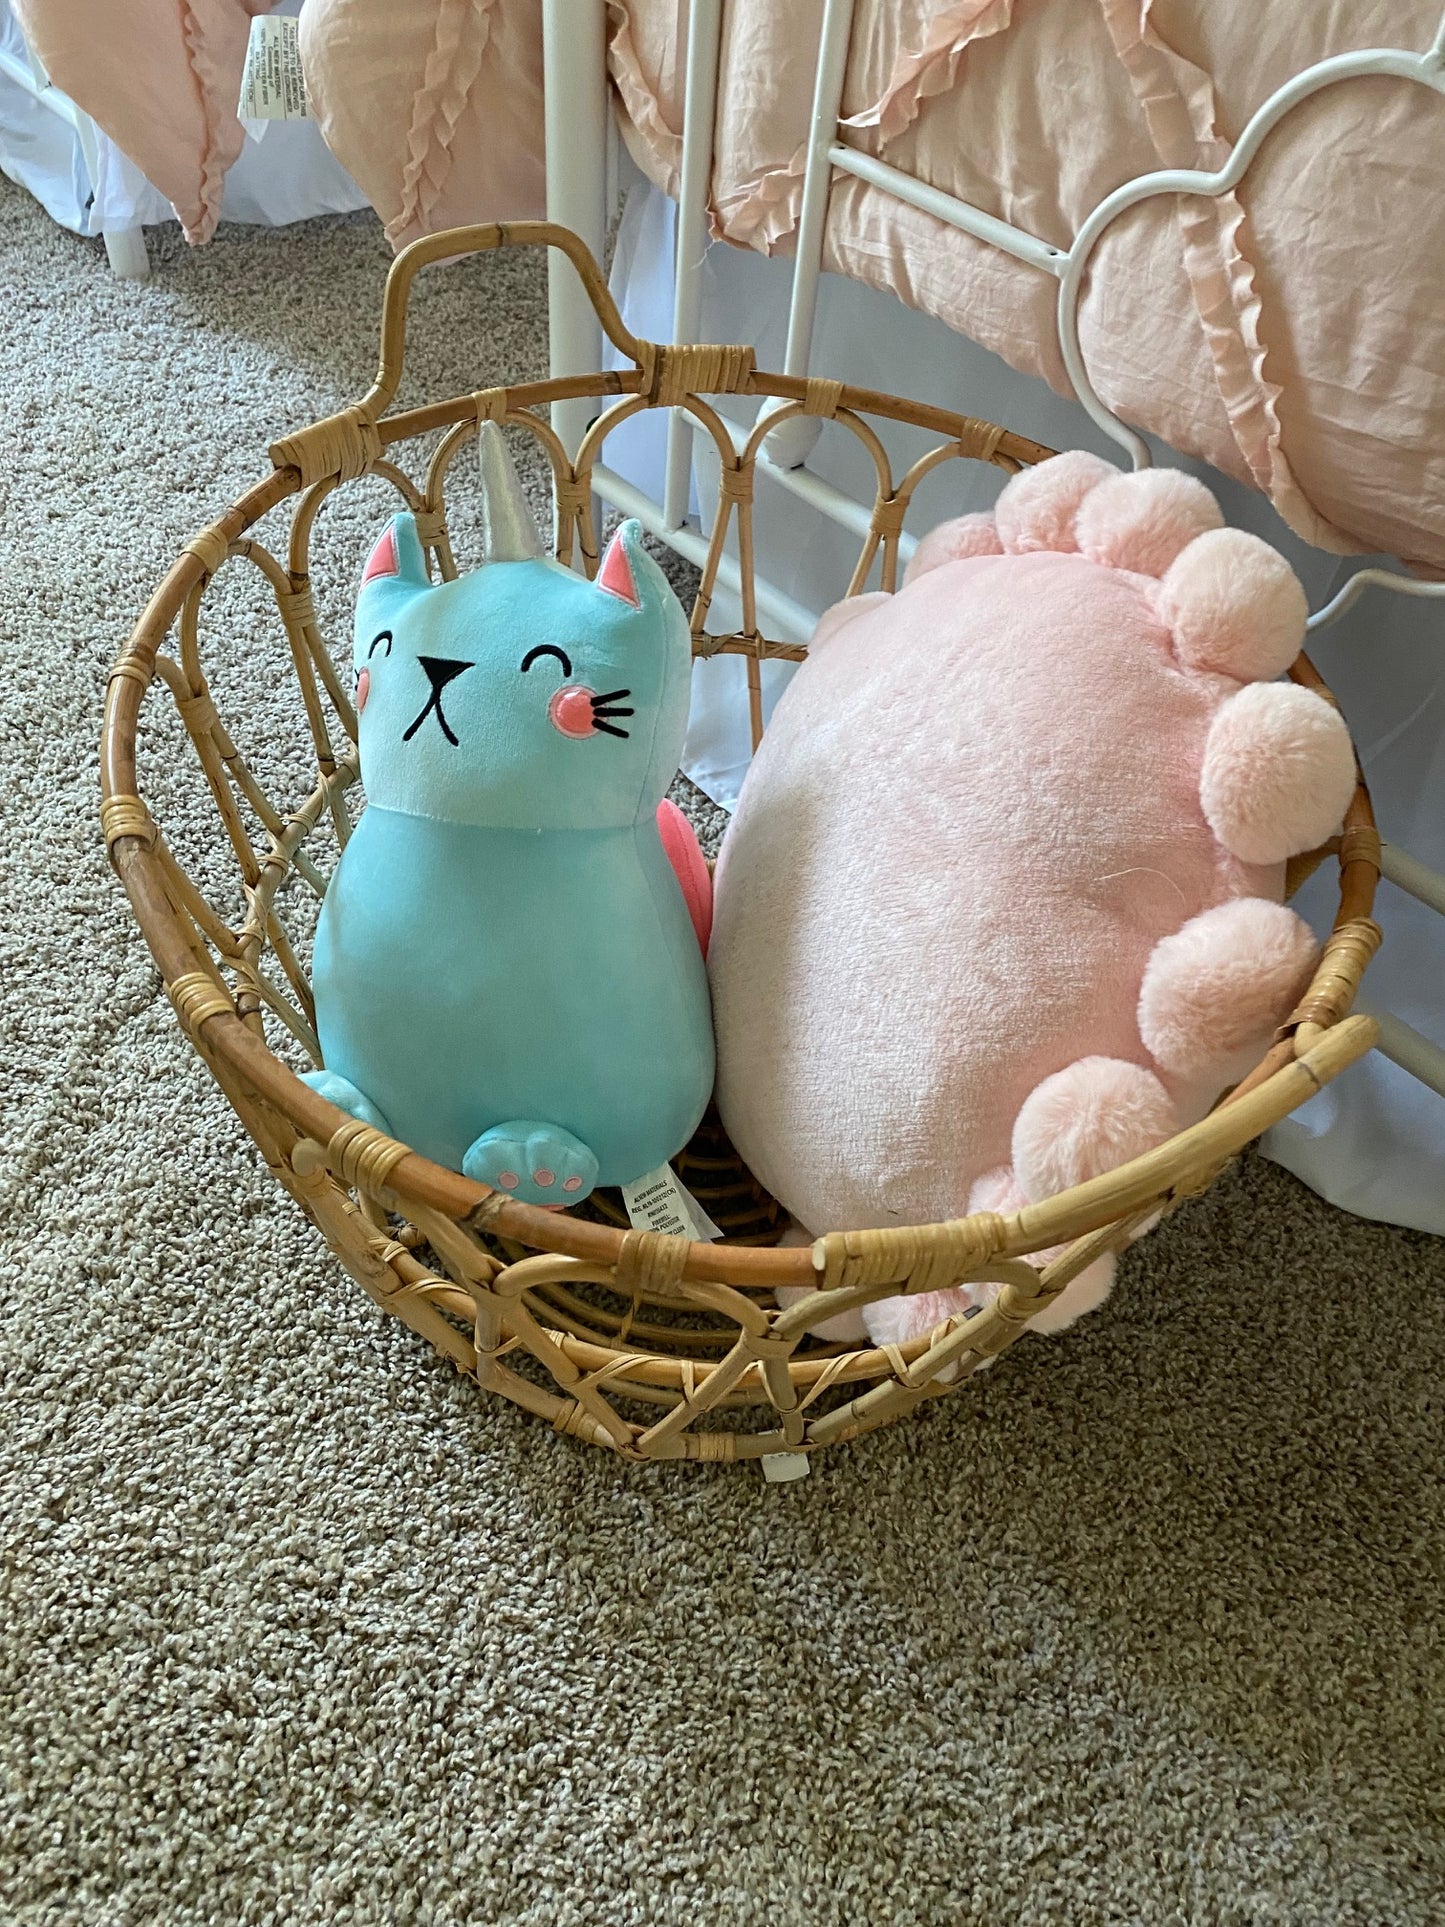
[
  {"x": 398, "y": 556},
  {"x": 623, "y": 566}
]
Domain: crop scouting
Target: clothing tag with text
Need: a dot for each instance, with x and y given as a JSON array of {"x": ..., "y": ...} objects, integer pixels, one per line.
[
  {"x": 273, "y": 86},
  {"x": 660, "y": 1202}
]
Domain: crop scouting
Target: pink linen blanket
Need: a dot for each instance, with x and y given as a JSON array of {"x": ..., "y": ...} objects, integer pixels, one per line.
[{"x": 1293, "y": 333}]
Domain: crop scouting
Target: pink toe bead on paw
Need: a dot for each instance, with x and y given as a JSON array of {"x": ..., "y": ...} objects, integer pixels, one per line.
[{"x": 543, "y": 1176}]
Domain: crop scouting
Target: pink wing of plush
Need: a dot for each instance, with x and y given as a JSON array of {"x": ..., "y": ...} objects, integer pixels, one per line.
[{"x": 684, "y": 853}]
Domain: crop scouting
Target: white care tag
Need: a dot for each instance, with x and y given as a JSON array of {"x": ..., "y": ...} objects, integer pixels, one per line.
[
  {"x": 273, "y": 86},
  {"x": 779, "y": 1467},
  {"x": 660, "y": 1202}
]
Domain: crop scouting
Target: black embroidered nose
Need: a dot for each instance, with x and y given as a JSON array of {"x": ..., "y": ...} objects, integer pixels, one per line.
[{"x": 440, "y": 671}]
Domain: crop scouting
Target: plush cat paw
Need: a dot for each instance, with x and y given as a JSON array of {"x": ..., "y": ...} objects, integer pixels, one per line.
[
  {"x": 533, "y": 1163},
  {"x": 346, "y": 1097}
]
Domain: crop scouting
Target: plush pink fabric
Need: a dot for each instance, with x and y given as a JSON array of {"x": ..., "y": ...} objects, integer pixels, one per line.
[
  {"x": 951, "y": 542},
  {"x": 893, "y": 1320},
  {"x": 1292, "y": 333},
  {"x": 972, "y": 835},
  {"x": 1038, "y": 511},
  {"x": 161, "y": 77},
  {"x": 1090, "y": 1117},
  {"x": 1214, "y": 988},
  {"x": 684, "y": 853},
  {"x": 1214, "y": 626},
  {"x": 1143, "y": 521},
  {"x": 1277, "y": 763}
]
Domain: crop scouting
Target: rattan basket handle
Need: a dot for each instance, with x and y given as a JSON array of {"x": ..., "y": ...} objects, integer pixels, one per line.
[
  {"x": 347, "y": 444},
  {"x": 453, "y": 244}
]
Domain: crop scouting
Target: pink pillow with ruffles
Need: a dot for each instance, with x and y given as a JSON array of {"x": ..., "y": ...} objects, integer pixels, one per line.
[{"x": 1000, "y": 907}]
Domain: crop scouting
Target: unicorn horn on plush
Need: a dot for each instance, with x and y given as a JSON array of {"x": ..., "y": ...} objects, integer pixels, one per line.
[{"x": 508, "y": 967}]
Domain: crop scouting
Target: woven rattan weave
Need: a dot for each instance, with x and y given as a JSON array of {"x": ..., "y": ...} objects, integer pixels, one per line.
[{"x": 654, "y": 1347}]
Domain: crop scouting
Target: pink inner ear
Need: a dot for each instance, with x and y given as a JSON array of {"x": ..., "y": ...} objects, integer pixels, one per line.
[
  {"x": 615, "y": 575},
  {"x": 382, "y": 560}
]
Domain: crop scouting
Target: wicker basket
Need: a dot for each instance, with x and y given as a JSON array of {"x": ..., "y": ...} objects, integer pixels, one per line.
[{"x": 654, "y": 1347}]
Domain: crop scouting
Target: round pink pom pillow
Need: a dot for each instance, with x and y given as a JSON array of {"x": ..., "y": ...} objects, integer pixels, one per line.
[{"x": 1000, "y": 906}]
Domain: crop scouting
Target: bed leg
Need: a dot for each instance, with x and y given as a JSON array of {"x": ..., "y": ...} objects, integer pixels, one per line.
[{"x": 125, "y": 249}]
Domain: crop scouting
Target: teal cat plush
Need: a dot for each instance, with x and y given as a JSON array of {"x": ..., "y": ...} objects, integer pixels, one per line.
[{"x": 506, "y": 972}]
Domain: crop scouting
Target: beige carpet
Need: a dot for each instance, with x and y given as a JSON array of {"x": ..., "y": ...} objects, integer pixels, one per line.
[{"x": 297, "y": 1628}]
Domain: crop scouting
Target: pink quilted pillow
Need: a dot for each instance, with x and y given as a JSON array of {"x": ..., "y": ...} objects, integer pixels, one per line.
[{"x": 1000, "y": 907}]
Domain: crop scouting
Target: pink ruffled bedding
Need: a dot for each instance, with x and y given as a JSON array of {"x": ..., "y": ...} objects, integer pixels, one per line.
[
  {"x": 1292, "y": 333},
  {"x": 161, "y": 77},
  {"x": 434, "y": 107}
]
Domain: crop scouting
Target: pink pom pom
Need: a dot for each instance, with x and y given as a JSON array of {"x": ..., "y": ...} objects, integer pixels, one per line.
[
  {"x": 1078, "y": 1298},
  {"x": 1234, "y": 605},
  {"x": 893, "y": 1321},
  {"x": 1278, "y": 773},
  {"x": 999, "y": 1191},
  {"x": 1142, "y": 521},
  {"x": 1218, "y": 987},
  {"x": 956, "y": 541},
  {"x": 1090, "y": 1117},
  {"x": 1037, "y": 508}
]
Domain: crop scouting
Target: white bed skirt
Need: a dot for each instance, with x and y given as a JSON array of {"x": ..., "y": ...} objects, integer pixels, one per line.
[{"x": 1375, "y": 1141}]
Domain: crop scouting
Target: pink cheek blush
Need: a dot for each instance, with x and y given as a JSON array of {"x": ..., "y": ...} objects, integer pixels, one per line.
[
  {"x": 363, "y": 689},
  {"x": 570, "y": 711}
]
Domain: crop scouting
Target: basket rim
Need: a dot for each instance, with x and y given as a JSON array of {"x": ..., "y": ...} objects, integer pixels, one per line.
[{"x": 1318, "y": 1040}]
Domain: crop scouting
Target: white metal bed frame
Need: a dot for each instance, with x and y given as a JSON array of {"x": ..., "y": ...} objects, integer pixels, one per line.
[{"x": 581, "y": 138}]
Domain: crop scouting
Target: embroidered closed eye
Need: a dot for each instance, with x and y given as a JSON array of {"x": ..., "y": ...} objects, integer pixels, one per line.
[
  {"x": 546, "y": 649},
  {"x": 376, "y": 642}
]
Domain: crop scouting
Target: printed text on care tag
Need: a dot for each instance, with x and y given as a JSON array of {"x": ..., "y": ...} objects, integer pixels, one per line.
[
  {"x": 659, "y": 1202},
  {"x": 273, "y": 86}
]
